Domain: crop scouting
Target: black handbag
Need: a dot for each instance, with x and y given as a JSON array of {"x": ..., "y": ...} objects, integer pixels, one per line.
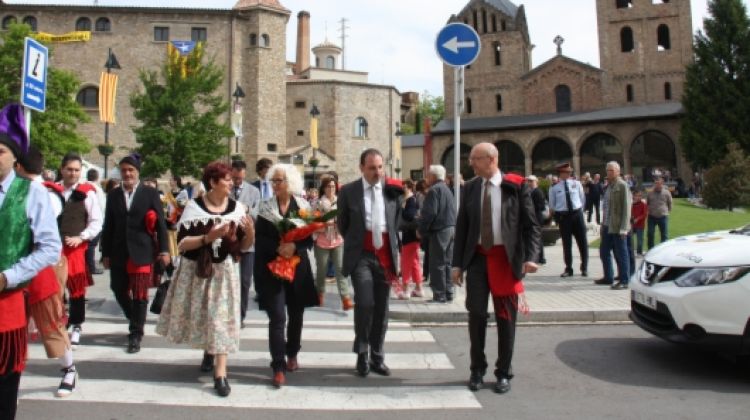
[
  {"x": 159, "y": 297},
  {"x": 204, "y": 265}
]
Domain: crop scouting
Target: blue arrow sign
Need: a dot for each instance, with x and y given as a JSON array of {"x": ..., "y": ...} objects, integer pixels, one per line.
[
  {"x": 34, "y": 81},
  {"x": 458, "y": 44}
]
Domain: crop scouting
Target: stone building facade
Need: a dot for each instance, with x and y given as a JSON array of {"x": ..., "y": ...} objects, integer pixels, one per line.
[{"x": 627, "y": 110}]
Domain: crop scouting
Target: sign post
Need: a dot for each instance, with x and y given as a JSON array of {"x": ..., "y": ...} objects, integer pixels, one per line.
[
  {"x": 34, "y": 80},
  {"x": 458, "y": 45}
]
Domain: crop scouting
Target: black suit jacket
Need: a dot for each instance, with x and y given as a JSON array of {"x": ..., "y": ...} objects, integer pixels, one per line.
[
  {"x": 124, "y": 232},
  {"x": 351, "y": 223},
  {"x": 521, "y": 232}
]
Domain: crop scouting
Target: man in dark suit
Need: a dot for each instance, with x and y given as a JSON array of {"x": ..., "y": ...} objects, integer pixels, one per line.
[
  {"x": 128, "y": 247},
  {"x": 248, "y": 195},
  {"x": 261, "y": 168},
  {"x": 368, "y": 220},
  {"x": 497, "y": 243}
]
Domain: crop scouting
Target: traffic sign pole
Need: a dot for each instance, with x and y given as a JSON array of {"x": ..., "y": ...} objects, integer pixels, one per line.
[{"x": 457, "y": 105}]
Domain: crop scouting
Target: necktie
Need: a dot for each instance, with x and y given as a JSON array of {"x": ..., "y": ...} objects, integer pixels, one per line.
[
  {"x": 375, "y": 210},
  {"x": 236, "y": 193},
  {"x": 487, "y": 238},
  {"x": 265, "y": 189},
  {"x": 567, "y": 197}
]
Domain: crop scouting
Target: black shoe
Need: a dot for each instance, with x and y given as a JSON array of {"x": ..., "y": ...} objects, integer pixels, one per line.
[
  {"x": 363, "y": 365},
  {"x": 584, "y": 273},
  {"x": 602, "y": 282},
  {"x": 134, "y": 345},
  {"x": 380, "y": 368},
  {"x": 567, "y": 273},
  {"x": 221, "y": 385},
  {"x": 502, "y": 386},
  {"x": 207, "y": 365},
  {"x": 476, "y": 380},
  {"x": 97, "y": 271},
  {"x": 619, "y": 286},
  {"x": 437, "y": 300},
  {"x": 449, "y": 298}
]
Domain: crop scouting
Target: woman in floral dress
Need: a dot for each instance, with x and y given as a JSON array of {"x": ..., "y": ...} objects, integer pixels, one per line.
[{"x": 202, "y": 307}]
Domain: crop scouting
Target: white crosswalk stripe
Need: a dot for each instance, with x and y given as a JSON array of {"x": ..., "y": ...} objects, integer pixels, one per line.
[{"x": 339, "y": 390}]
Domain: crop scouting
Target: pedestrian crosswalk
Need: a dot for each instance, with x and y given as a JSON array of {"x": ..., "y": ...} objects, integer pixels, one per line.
[{"x": 162, "y": 374}]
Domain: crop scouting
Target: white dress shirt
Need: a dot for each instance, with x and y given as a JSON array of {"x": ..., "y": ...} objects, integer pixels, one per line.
[
  {"x": 94, "y": 218},
  {"x": 129, "y": 195},
  {"x": 368, "y": 205},
  {"x": 496, "y": 195}
]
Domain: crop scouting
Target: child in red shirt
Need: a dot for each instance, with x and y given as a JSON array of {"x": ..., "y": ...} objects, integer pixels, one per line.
[{"x": 638, "y": 212}]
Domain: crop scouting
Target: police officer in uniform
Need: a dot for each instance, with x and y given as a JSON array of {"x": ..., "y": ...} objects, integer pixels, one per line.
[{"x": 566, "y": 201}]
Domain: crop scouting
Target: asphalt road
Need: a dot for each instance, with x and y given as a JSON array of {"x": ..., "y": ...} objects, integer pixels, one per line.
[{"x": 562, "y": 372}]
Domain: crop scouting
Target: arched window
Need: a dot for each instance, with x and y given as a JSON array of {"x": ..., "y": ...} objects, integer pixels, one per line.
[
  {"x": 499, "y": 102},
  {"x": 626, "y": 39},
  {"x": 511, "y": 157},
  {"x": 253, "y": 40},
  {"x": 88, "y": 97},
  {"x": 662, "y": 38},
  {"x": 562, "y": 98},
  {"x": 668, "y": 91},
  {"x": 317, "y": 62},
  {"x": 498, "y": 56},
  {"x": 330, "y": 62},
  {"x": 651, "y": 153},
  {"x": 448, "y": 161},
  {"x": 623, "y": 4},
  {"x": 8, "y": 20},
  {"x": 547, "y": 154},
  {"x": 31, "y": 21},
  {"x": 494, "y": 23},
  {"x": 83, "y": 24},
  {"x": 265, "y": 40},
  {"x": 360, "y": 127},
  {"x": 476, "y": 21},
  {"x": 597, "y": 150},
  {"x": 629, "y": 93},
  {"x": 484, "y": 21},
  {"x": 103, "y": 25},
  {"x": 468, "y": 105}
]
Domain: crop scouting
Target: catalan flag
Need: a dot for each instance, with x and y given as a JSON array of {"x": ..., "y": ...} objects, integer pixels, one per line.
[
  {"x": 314, "y": 132},
  {"x": 107, "y": 93}
]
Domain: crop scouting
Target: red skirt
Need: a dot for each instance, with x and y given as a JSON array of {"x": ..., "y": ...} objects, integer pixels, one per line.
[
  {"x": 79, "y": 277},
  {"x": 13, "y": 334},
  {"x": 44, "y": 285},
  {"x": 139, "y": 279}
]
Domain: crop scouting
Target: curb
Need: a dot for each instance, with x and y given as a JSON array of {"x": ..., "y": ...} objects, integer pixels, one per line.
[{"x": 535, "y": 317}]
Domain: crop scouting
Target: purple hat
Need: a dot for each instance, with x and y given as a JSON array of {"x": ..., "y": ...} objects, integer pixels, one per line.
[
  {"x": 133, "y": 159},
  {"x": 13, "y": 129}
]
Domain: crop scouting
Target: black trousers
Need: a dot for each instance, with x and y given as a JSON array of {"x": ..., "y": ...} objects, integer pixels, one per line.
[
  {"x": 77, "y": 311},
  {"x": 573, "y": 225},
  {"x": 9, "y": 395},
  {"x": 138, "y": 312},
  {"x": 506, "y": 310},
  {"x": 247, "y": 261},
  {"x": 592, "y": 205},
  {"x": 280, "y": 307},
  {"x": 118, "y": 283},
  {"x": 371, "y": 293},
  {"x": 91, "y": 252}
]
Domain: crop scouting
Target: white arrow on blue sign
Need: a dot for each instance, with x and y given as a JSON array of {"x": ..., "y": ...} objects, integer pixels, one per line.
[
  {"x": 458, "y": 44},
  {"x": 34, "y": 81}
]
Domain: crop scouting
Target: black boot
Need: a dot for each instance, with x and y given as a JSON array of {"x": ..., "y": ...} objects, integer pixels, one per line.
[
  {"x": 207, "y": 365},
  {"x": 137, "y": 323}
]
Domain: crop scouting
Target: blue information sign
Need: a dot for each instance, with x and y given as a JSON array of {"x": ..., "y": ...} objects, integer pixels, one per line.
[
  {"x": 458, "y": 44},
  {"x": 34, "y": 81}
]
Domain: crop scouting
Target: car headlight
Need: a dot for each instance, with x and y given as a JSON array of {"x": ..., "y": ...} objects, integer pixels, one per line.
[{"x": 709, "y": 276}]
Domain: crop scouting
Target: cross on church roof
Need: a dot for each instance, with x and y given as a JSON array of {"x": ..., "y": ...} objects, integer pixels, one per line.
[{"x": 559, "y": 41}]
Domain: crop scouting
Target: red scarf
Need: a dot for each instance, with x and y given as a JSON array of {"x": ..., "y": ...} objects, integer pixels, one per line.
[
  {"x": 383, "y": 254},
  {"x": 499, "y": 272}
]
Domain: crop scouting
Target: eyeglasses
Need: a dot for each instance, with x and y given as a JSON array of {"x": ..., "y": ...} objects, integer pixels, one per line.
[
  {"x": 278, "y": 180},
  {"x": 476, "y": 158}
]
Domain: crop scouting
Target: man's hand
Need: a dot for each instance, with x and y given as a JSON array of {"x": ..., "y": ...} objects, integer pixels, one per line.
[
  {"x": 530, "y": 267},
  {"x": 73, "y": 241},
  {"x": 165, "y": 258},
  {"x": 3, "y": 282},
  {"x": 456, "y": 277},
  {"x": 105, "y": 262},
  {"x": 287, "y": 249}
]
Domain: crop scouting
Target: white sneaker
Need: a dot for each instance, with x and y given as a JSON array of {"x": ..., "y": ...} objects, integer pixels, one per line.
[
  {"x": 75, "y": 336},
  {"x": 68, "y": 383}
]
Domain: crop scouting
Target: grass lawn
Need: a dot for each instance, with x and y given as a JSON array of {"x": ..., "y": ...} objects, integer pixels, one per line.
[{"x": 687, "y": 219}]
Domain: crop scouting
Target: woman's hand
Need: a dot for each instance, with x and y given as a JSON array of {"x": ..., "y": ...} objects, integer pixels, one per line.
[
  {"x": 218, "y": 231},
  {"x": 287, "y": 249},
  {"x": 247, "y": 225},
  {"x": 523, "y": 305}
]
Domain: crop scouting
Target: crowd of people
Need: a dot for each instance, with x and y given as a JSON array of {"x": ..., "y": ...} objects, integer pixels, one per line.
[{"x": 219, "y": 237}]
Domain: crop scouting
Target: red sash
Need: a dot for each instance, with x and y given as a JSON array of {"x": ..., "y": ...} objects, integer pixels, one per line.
[
  {"x": 44, "y": 285},
  {"x": 78, "y": 273},
  {"x": 383, "y": 254},
  {"x": 499, "y": 272},
  {"x": 13, "y": 333}
]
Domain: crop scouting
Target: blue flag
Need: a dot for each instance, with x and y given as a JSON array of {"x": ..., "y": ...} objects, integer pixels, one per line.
[{"x": 184, "y": 47}]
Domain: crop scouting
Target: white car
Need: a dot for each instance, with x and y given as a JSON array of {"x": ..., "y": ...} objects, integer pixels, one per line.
[{"x": 696, "y": 289}]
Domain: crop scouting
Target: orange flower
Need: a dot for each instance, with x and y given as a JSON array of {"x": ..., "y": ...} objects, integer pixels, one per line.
[
  {"x": 317, "y": 214},
  {"x": 304, "y": 213}
]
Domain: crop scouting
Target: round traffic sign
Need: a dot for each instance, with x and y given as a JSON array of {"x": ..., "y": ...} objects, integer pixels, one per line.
[{"x": 458, "y": 44}]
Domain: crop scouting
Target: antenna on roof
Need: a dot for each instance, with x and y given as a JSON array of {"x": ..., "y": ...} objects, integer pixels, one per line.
[{"x": 343, "y": 42}]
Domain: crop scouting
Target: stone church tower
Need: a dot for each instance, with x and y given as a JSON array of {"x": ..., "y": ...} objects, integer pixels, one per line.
[
  {"x": 491, "y": 83},
  {"x": 644, "y": 47}
]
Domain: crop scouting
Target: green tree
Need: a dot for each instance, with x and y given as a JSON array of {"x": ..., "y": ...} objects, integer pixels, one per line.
[
  {"x": 728, "y": 182},
  {"x": 53, "y": 131},
  {"x": 429, "y": 106},
  {"x": 717, "y": 87},
  {"x": 179, "y": 110}
]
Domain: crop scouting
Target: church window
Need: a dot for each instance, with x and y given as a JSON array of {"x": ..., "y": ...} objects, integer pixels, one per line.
[
  {"x": 502, "y": 25},
  {"x": 498, "y": 56},
  {"x": 300, "y": 133},
  {"x": 668, "y": 91},
  {"x": 662, "y": 38},
  {"x": 468, "y": 105},
  {"x": 300, "y": 104},
  {"x": 88, "y": 97},
  {"x": 499, "y": 102},
  {"x": 199, "y": 34},
  {"x": 8, "y": 20},
  {"x": 476, "y": 21},
  {"x": 265, "y": 40},
  {"x": 317, "y": 62},
  {"x": 330, "y": 62},
  {"x": 624, "y": 4},
  {"x": 272, "y": 147},
  {"x": 103, "y": 25},
  {"x": 83, "y": 24},
  {"x": 629, "y": 93},
  {"x": 626, "y": 39},
  {"x": 253, "y": 40},
  {"x": 161, "y": 33},
  {"x": 484, "y": 21},
  {"x": 360, "y": 127},
  {"x": 31, "y": 21},
  {"x": 562, "y": 98},
  {"x": 494, "y": 23}
]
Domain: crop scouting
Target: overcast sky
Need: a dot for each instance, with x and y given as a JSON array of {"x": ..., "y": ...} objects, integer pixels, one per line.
[{"x": 393, "y": 40}]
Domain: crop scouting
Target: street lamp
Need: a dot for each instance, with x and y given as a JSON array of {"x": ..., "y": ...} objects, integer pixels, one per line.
[
  {"x": 236, "y": 120},
  {"x": 314, "y": 112},
  {"x": 396, "y": 151},
  {"x": 363, "y": 127},
  {"x": 107, "y": 150}
]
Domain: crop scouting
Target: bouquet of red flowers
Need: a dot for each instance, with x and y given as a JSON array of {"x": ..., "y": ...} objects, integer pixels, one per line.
[{"x": 294, "y": 228}]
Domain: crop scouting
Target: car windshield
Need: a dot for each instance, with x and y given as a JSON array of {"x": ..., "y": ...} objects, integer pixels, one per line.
[{"x": 742, "y": 231}]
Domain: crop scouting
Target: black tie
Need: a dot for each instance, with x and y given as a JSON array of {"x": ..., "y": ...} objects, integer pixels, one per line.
[
  {"x": 567, "y": 197},
  {"x": 236, "y": 193}
]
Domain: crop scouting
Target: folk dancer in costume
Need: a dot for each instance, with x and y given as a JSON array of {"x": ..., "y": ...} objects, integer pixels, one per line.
[
  {"x": 79, "y": 223},
  {"x": 202, "y": 307},
  {"x": 45, "y": 292},
  {"x": 368, "y": 221},
  {"x": 128, "y": 247},
  {"x": 29, "y": 242},
  {"x": 497, "y": 243}
]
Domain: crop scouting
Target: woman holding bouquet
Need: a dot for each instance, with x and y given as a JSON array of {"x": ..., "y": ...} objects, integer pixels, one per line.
[
  {"x": 202, "y": 306},
  {"x": 282, "y": 298}
]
